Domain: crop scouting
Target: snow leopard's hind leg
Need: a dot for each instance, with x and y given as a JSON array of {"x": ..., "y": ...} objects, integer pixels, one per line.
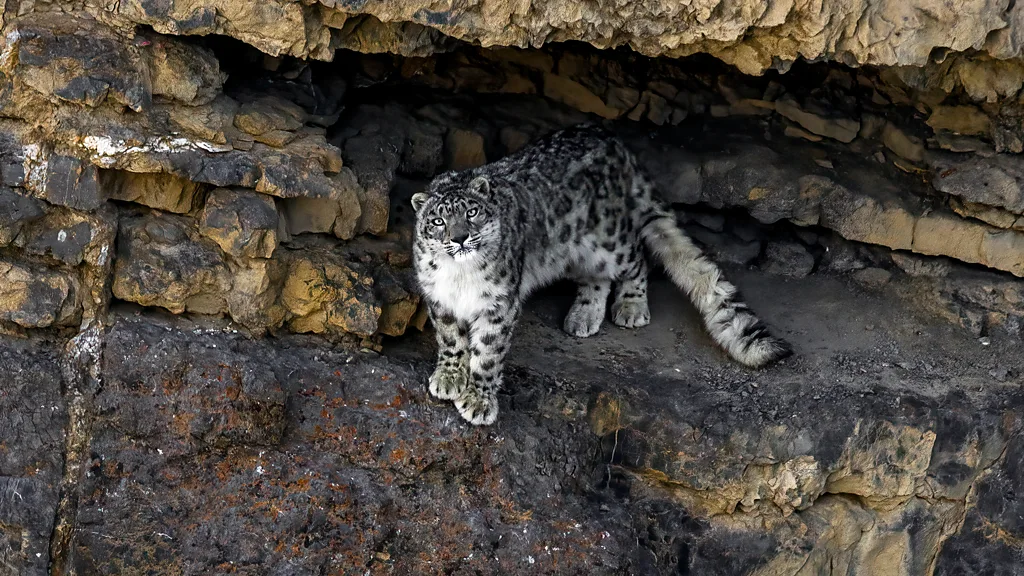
[
  {"x": 629, "y": 306},
  {"x": 587, "y": 312}
]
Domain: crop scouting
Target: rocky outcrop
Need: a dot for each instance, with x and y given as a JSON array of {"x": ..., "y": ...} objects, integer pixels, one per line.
[
  {"x": 205, "y": 450},
  {"x": 751, "y": 36},
  {"x": 205, "y": 243},
  {"x": 267, "y": 133},
  {"x": 94, "y": 117}
]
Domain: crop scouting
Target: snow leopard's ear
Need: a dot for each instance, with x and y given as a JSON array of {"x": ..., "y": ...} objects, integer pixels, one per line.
[
  {"x": 480, "y": 185},
  {"x": 418, "y": 200}
]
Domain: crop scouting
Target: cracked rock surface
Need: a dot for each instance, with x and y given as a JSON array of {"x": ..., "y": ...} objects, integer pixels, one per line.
[
  {"x": 207, "y": 356},
  {"x": 883, "y": 446},
  {"x": 753, "y": 36}
]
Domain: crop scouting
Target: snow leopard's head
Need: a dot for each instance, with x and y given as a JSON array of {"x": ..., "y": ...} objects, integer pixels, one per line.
[{"x": 457, "y": 218}]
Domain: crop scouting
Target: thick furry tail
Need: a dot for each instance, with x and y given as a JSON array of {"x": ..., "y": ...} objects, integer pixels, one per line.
[{"x": 728, "y": 319}]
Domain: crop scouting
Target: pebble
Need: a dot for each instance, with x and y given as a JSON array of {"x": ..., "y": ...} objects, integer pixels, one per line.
[
  {"x": 872, "y": 277},
  {"x": 1000, "y": 373},
  {"x": 787, "y": 259}
]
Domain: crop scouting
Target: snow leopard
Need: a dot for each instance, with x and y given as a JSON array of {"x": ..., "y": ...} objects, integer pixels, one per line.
[{"x": 575, "y": 205}]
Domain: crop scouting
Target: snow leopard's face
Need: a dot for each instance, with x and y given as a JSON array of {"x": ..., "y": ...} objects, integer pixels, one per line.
[{"x": 457, "y": 220}]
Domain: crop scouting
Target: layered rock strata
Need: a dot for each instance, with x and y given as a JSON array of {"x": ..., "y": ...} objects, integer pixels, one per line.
[{"x": 205, "y": 232}]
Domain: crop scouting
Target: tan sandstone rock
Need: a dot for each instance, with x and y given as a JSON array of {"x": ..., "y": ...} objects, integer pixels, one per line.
[
  {"x": 842, "y": 129},
  {"x": 326, "y": 295},
  {"x": 753, "y": 37},
  {"x": 243, "y": 223},
  {"x": 464, "y": 149},
  {"x": 572, "y": 93},
  {"x": 182, "y": 71},
  {"x": 162, "y": 262},
  {"x": 36, "y": 297},
  {"x": 960, "y": 120},
  {"x": 162, "y": 191}
]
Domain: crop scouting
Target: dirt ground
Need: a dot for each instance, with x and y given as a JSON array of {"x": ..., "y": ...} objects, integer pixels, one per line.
[{"x": 847, "y": 341}]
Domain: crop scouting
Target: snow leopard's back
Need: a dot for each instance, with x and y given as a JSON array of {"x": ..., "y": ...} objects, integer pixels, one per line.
[{"x": 589, "y": 207}]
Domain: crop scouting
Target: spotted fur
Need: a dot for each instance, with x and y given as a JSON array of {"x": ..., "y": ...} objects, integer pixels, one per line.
[{"x": 572, "y": 205}]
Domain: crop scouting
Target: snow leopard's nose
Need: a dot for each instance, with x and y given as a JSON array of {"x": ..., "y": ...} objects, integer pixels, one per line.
[{"x": 460, "y": 239}]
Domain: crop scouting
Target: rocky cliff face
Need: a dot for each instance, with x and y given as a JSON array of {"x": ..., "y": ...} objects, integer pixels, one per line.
[
  {"x": 214, "y": 352},
  {"x": 754, "y": 37}
]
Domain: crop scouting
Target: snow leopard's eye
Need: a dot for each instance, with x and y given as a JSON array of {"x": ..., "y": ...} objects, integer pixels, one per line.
[
  {"x": 437, "y": 222},
  {"x": 472, "y": 212}
]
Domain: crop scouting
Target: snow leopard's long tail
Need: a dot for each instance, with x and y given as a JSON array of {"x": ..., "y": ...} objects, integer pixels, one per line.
[{"x": 728, "y": 319}]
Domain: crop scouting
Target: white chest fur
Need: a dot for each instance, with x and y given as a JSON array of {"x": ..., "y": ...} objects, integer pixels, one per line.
[{"x": 459, "y": 287}]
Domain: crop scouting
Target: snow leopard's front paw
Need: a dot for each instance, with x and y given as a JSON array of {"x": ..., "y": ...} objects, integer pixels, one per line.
[
  {"x": 631, "y": 314},
  {"x": 448, "y": 382},
  {"x": 478, "y": 407}
]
